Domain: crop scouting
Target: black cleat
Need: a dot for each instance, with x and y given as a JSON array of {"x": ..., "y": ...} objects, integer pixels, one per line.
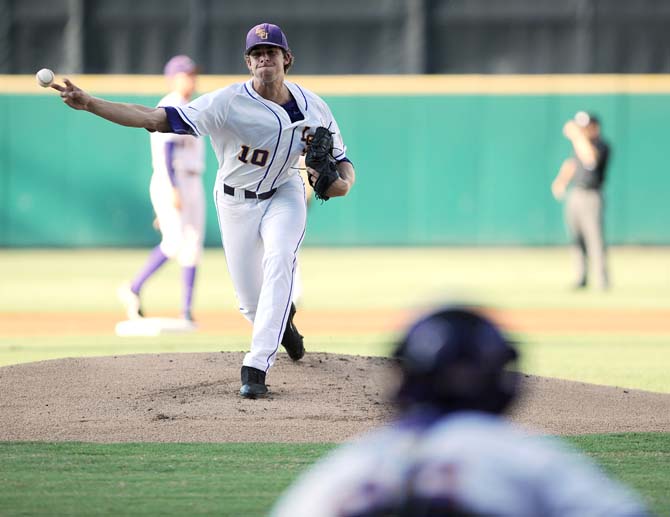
[
  {"x": 253, "y": 383},
  {"x": 292, "y": 341}
]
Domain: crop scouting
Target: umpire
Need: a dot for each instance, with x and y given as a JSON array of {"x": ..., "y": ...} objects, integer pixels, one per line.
[{"x": 585, "y": 173}]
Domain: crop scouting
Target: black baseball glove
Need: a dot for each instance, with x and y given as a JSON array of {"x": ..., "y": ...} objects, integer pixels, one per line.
[{"x": 320, "y": 158}]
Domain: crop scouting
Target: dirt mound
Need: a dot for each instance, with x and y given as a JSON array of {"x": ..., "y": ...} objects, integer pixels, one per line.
[{"x": 323, "y": 398}]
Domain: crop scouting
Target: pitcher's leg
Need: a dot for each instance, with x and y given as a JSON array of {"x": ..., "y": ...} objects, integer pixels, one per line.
[
  {"x": 282, "y": 230},
  {"x": 239, "y": 223},
  {"x": 297, "y": 284}
]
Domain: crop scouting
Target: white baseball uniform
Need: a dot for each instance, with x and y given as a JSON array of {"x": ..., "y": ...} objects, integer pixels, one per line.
[
  {"x": 183, "y": 158},
  {"x": 475, "y": 462},
  {"x": 257, "y": 146}
]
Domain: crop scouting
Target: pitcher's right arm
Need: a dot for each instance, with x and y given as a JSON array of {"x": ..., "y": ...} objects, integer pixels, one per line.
[{"x": 124, "y": 114}]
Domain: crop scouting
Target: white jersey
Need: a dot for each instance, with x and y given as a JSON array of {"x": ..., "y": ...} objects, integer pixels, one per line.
[
  {"x": 477, "y": 462},
  {"x": 255, "y": 142},
  {"x": 189, "y": 151}
]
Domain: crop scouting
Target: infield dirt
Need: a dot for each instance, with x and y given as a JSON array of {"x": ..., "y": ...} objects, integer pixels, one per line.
[
  {"x": 323, "y": 398},
  {"x": 334, "y": 322}
]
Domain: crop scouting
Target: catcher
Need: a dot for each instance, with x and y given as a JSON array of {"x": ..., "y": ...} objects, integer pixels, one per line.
[{"x": 452, "y": 452}]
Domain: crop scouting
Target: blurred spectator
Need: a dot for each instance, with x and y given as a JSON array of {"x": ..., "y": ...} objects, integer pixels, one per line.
[{"x": 584, "y": 205}]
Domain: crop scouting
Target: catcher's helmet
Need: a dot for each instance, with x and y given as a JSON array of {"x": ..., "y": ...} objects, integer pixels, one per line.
[{"x": 456, "y": 359}]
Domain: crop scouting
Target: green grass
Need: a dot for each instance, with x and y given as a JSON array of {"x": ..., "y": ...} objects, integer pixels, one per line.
[
  {"x": 85, "y": 280},
  {"x": 640, "y": 460},
  {"x": 27, "y": 349},
  {"x": 639, "y": 362},
  {"x": 147, "y": 479},
  {"x": 233, "y": 479}
]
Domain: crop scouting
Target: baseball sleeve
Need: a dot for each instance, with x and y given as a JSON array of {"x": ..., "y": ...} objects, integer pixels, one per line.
[
  {"x": 177, "y": 124},
  {"x": 339, "y": 148},
  {"x": 205, "y": 113}
]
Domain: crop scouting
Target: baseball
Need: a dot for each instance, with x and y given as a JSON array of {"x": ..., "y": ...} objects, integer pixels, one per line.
[{"x": 44, "y": 77}]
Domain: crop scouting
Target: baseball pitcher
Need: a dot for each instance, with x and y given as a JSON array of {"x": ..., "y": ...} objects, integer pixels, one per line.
[{"x": 258, "y": 130}]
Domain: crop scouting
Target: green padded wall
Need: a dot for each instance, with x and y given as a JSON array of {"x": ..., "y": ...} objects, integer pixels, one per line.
[{"x": 431, "y": 169}]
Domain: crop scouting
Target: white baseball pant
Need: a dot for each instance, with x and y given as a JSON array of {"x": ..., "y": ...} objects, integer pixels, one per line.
[{"x": 261, "y": 239}]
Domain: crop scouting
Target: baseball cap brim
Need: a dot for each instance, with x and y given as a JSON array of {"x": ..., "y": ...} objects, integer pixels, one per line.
[{"x": 264, "y": 44}]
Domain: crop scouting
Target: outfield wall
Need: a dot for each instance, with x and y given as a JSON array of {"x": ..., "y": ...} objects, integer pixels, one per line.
[{"x": 439, "y": 160}]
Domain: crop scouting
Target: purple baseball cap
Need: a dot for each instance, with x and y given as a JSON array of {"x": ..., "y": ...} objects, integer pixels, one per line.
[
  {"x": 179, "y": 64},
  {"x": 266, "y": 34}
]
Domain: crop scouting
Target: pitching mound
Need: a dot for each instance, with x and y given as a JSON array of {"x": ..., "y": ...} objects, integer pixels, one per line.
[{"x": 323, "y": 398}]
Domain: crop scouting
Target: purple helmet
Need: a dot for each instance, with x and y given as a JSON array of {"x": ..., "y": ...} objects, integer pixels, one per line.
[
  {"x": 180, "y": 64},
  {"x": 456, "y": 359}
]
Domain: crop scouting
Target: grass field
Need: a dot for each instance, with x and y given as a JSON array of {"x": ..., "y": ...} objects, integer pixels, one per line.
[
  {"x": 223, "y": 479},
  {"x": 149, "y": 479}
]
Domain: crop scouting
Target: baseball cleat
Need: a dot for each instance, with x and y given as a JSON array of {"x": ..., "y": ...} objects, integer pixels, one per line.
[
  {"x": 253, "y": 383},
  {"x": 130, "y": 301},
  {"x": 189, "y": 321},
  {"x": 292, "y": 340},
  {"x": 581, "y": 284}
]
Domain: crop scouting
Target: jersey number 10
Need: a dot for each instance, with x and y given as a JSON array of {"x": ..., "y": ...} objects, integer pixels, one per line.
[{"x": 258, "y": 156}]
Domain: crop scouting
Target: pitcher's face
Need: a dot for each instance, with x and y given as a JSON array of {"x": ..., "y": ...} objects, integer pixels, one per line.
[{"x": 266, "y": 63}]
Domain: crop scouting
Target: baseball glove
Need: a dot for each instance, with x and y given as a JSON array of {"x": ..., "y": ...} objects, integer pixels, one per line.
[{"x": 320, "y": 158}]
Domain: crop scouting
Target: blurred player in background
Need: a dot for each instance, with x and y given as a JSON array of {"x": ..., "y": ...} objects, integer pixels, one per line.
[
  {"x": 451, "y": 452},
  {"x": 177, "y": 195},
  {"x": 584, "y": 205}
]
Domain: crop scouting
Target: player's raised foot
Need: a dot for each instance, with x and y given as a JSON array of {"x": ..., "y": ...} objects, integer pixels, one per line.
[
  {"x": 253, "y": 383},
  {"x": 130, "y": 301},
  {"x": 292, "y": 340}
]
